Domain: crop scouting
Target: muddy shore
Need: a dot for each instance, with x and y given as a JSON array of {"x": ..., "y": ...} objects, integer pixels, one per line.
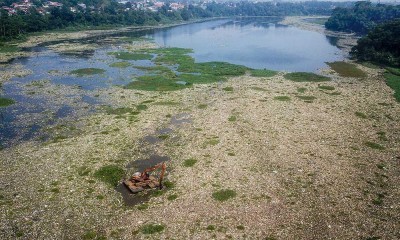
[{"x": 300, "y": 169}]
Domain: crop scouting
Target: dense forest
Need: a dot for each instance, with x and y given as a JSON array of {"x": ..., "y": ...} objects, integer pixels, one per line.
[
  {"x": 361, "y": 18},
  {"x": 109, "y": 12},
  {"x": 379, "y": 23},
  {"x": 381, "y": 45}
]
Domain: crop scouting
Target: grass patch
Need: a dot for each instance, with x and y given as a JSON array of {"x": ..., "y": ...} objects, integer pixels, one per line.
[
  {"x": 172, "y": 197},
  {"x": 382, "y": 136},
  {"x": 202, "y": 106},
  {"x": 262, "y": 73},
  {"x": 224, "y": 195},
  {"x": 301, "y": 90},
  {"x": 155, "y": 83},
  {"x": 395, "y": 71},
  {"x": 87, "y": 71},
  {"x": 167, "y": 103},
  {"x": 325, "y": 87},
  {"x": 232, "y": 118},
  {"x": 169, "y": 184},
  {"x": 307, "y": 98},
  {"x": 8, "y": 48},
  {"x": 282, "y": 98},
  {"x": 120, "y": 64},
  {"x": 374, "y": 145},
  {"x": 393, "y": 81},
  {"x": 189, "y": 162},
  {"x": 345, "y": 69},
  {"x": 306, "y": 77},
  {"x": 4, "y": 102},
  {"x": 152, "y": 228},
  {"x": 118, "y": 111},
  {"x": 210, "y": 227},
  {"x": 110, "y": 174},
  {"x": 361, "y": 115},
  {"x": 131, "y": 56},
  {"x": 213, "y": 68}
]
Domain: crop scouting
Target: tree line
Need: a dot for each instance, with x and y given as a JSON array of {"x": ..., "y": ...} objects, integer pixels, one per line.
[
  {"x": 380, "y": 45},
  {"x": 109, "y": 12},
  {"x": 362, "y": 17},
  {"x": 380, "y": 25}
]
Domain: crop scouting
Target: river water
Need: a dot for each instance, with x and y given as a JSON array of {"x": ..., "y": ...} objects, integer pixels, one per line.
[{"x": 259, "y": 43}]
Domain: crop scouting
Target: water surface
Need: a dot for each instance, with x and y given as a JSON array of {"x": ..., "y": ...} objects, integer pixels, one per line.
[{"x": 254, "y": 42}]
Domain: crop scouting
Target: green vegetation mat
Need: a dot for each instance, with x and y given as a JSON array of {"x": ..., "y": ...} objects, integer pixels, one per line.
[
  {"x": 306, "y": 77},
  {"x": 110, "y": 174},
  {"x": 6, "y": 48},
  {"x": 393, "y": 81},
  {"x": 163, "y": 78},
  {"x": 87, "y": 71},
  {"x": 345, "y": 69},
  {"x": 4, "y": 102},
  {"x": 262, "y": 73},
  {"x": 120, "y": 64}
]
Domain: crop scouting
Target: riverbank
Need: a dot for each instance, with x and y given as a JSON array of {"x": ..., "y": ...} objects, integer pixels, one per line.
[{"x": 345, "y": 41}]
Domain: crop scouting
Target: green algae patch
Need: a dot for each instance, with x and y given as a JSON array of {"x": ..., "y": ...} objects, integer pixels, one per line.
[
  {"x": 306, "y": 77},
  {"x": 214, "y": 68},
  {"x": 189, "y": 162},
  {"x": 345, "y": 69},
  {"x": 152, "y": 228},
  {"x": 162, "y": 78},
  {"x": 224, "y": 195},
  {"x": 110, "y": 174},
  {"x": 282, "y": 98},
  {"x": 120, "y": 64},
  {"x": 155, "y": 83},
  {"x": 87, "y": 71},
  {"x": 131, "y": 56},
  {"x": 4, "y": 102},
  {"x": 262, "y": 73},
  {"x": 374, "y": 145}
]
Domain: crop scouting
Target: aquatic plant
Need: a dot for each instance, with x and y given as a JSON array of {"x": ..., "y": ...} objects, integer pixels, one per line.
[
  {"x": 224, "y": 195},
  {"x": 263, "y": 73},
  {"x": 306, "y": 77},
  {"x": 345, "y": 69},
  {"x": 110, "y": 174},
  {"x": 4, "y": 102},
  {"x": 87, "y": 71}
]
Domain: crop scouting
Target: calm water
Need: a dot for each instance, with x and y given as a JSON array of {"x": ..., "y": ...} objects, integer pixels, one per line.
[{"x": 257, "y": 43}]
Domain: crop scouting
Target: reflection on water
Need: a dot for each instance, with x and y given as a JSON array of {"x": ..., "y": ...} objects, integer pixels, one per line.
[{"x": 254, "y": 42}]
